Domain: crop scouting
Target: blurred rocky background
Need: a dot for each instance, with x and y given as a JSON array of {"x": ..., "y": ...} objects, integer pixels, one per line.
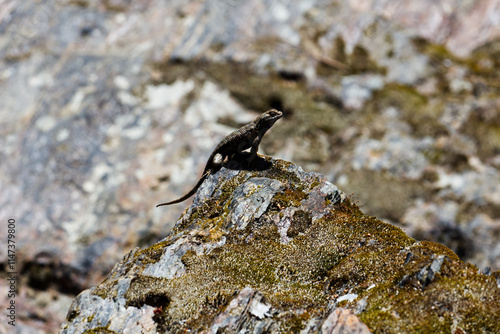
[{"x": 108, "y": 108}]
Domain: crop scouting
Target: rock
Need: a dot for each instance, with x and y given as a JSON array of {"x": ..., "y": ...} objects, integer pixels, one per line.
[
  {"x": 343, "y": 321},
  {"x": 231, "y": 265},
  {"x": 248, "y": 308}
]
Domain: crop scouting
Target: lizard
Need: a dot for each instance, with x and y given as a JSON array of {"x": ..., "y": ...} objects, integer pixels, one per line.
[{"x": 235, "y": 145}]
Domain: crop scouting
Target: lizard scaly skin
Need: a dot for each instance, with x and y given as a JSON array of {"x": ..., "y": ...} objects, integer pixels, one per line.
[{"x": 236, "y": 145}]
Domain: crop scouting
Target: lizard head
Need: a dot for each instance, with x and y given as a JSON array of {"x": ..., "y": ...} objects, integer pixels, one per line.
[{"x": 267, "y": 119}]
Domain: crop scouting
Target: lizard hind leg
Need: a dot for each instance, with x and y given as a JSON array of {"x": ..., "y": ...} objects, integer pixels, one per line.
[{"x": 217, "y": 161}]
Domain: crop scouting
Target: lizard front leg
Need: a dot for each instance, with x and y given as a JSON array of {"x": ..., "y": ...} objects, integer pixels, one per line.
[{"x": 254, "y": 148}]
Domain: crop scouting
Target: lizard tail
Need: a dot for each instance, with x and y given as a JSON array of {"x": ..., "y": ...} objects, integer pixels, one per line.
[{"x": 190, "y": 193}]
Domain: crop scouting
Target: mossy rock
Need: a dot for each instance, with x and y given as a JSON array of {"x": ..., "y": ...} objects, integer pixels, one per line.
[{"x": 304, "y": 251}]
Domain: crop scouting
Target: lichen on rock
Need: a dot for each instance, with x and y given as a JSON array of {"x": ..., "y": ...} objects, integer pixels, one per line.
[{"x": 274, "y": 249}]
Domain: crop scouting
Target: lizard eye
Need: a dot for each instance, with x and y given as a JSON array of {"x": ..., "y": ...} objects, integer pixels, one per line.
[{"x": 274, "y": 113}]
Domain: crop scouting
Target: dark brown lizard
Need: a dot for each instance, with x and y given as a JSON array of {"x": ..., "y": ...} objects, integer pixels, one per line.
[{"x": 235, "y": 145}]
